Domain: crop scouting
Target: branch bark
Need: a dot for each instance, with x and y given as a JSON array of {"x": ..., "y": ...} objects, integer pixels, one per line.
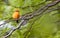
[{"x": 39, "y": 11}]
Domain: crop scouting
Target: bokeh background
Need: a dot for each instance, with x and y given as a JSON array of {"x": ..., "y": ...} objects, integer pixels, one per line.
[{"x": 46, "y": 26}]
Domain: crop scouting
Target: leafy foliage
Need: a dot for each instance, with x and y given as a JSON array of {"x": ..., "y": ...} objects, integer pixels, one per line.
[{"x": 46, "y": 26}]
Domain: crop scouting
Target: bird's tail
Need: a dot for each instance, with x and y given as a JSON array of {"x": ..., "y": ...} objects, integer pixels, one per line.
[{"x": 17, "y": 21}]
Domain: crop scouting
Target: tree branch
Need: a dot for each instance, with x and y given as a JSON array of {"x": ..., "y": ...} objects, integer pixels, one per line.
[
  {"x": 19, "y": 25},
  {"x": 39, "y": 11},
  {"x": 22, "y": 21},
  {"x": 48, "y": 11},
  {"x": 33, "y": 14}
]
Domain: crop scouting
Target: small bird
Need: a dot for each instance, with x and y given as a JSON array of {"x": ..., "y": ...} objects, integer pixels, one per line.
[{"x": 16, "y": 15}]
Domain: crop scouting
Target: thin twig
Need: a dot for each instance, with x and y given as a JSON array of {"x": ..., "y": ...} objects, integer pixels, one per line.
[
  {"x": 6, "y": 21},
  {"x": 40, "y": 10},
  {"x": 14, "y": 29}
]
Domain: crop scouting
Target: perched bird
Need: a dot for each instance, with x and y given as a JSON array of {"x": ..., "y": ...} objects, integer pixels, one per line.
[{"x": 16, "y": 15}]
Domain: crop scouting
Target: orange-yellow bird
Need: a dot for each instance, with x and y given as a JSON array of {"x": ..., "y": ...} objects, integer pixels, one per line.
[{"x": 16, "y": 15}]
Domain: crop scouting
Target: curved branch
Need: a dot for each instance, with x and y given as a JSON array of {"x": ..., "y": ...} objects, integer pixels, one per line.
[
  {"x": 19, "y": 25},
  {"x": 22, "y": 21}
]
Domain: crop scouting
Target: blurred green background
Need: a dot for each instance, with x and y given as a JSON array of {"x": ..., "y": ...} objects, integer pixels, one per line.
[{"x": 46, "y": 26}]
